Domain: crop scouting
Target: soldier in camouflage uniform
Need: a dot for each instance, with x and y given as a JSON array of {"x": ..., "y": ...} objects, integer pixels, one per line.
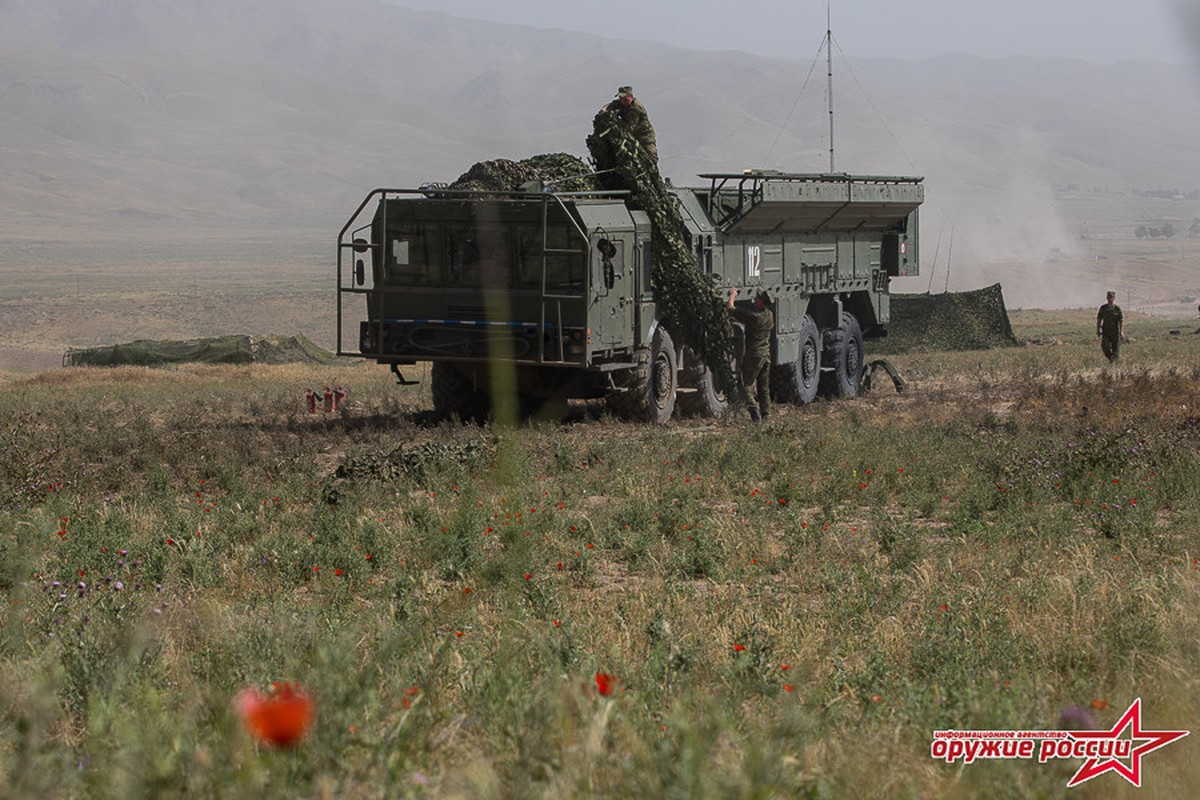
[
  {"x": 756, "y": 363},
  {"x": 633, "y": 117},
  {"x": 1110, "y": 327}
]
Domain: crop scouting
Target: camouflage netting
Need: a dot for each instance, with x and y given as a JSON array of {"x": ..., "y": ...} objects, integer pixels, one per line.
[
  {"x": 975, "y": 320},
  {"x": 694, "y": 313},
  {"x": 562, "y": 171},
  {"x": 234, "y": 349},
  {"x": 419, "y": 463},
  {"x": 416, "y": 461}
]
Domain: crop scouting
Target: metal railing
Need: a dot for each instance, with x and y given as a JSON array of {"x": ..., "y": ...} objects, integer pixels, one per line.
[{"x": 551, "y": 314}]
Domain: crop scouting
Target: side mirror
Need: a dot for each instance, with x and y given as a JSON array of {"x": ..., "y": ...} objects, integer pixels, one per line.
[
  {"x": 361, "y": 245},
  {"x": 607, "y": 250},
  {"x": 360, "y": 273}
]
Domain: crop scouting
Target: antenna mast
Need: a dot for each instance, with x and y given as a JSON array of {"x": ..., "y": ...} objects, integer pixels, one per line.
[{"x": 829, "y": 63}]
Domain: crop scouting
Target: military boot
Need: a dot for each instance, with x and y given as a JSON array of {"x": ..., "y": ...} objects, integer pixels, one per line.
[{"x": 754, "y": 415}]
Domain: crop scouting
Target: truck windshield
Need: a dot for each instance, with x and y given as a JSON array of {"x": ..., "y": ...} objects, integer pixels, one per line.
[
  {"x": 409, "y": 260},
  {"x": 466, "y": 255},
  {"x": 564, "y": 271},
  {"x": 477, "y": 255}
]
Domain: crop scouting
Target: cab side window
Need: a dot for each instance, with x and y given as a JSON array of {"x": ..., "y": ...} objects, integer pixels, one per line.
[{"x": 410, "y": 260}]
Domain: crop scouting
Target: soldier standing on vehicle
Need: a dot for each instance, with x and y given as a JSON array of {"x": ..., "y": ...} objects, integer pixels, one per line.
[
  {"x": 756, "y": 363},
  {"x": 1110, "y": 327},
  {"x": 632, "y": 116}
]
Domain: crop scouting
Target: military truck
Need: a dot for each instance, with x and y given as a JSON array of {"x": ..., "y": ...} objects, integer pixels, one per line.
[{"x": 542, "y": 296}]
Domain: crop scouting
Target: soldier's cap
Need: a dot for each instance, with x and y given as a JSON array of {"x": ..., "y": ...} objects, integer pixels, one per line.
[
  {"x": 624, "y": 91},
  {"x": 766, "y": 295}
]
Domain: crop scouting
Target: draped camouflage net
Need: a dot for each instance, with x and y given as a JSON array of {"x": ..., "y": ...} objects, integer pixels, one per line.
[
  {"x": 686, "y": 301},
  {"x": 561, "y": 171},
  {"x": 974, "y": 320}
]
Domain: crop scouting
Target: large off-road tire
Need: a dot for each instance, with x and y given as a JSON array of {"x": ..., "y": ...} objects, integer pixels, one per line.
[
  {"x": 798, "y": 381},
  {"x": 649, "y": 391},
  {"x": 456, "y": 395},
  {"x": 704, "y": 399},
  {"x": 844, "y": 356}
]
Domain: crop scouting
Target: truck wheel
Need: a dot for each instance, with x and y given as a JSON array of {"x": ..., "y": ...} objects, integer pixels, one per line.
[
  {"x": 649, "y": 394},
  {"x": 798, "y": 381},
  {"x": 455, "y": 394},
  {"x": 705, "y": 400},
  {"x": 844, "y": 353}
]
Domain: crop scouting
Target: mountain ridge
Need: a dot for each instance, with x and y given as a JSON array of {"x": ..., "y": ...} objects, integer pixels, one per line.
[{"x": 134, "y": 119}]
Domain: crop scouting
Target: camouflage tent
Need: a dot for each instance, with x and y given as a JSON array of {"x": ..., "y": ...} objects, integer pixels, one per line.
[
  {"x": 234, "y": 349},
  {"x": 974, "y": 320}
]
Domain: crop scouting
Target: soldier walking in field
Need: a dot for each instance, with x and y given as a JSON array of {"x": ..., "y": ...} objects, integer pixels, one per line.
[
  {"x": 1110, "y": 327},
  {"x": 755, "y": 370},
  {"x": 632, "y": 116}
]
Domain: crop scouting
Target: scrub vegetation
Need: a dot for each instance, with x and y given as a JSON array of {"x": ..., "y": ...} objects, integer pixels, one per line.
[{"x": 592, "y": 608}]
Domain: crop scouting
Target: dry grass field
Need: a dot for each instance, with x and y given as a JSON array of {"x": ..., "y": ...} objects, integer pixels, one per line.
[{"x": 589, "y": 607}]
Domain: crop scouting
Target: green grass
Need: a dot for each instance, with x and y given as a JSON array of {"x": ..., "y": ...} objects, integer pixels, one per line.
[{"x": 789, "y": 611}]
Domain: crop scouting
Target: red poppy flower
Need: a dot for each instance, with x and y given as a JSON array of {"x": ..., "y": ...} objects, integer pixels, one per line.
[
  {"x": 605, "y": 684},
  {"x": 279, "y": 719},
  {"x": 738, "y": 647}
]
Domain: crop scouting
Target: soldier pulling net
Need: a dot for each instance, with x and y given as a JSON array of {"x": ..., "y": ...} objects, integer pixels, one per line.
[{"x": 684, "y": 296}]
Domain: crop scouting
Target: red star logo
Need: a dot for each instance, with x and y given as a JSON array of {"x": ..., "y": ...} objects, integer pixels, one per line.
[{"x": 1132, "y": 719}]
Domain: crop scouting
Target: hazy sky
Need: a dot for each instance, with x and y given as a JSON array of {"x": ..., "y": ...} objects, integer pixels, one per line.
[{"x": 1101, "y": 31}]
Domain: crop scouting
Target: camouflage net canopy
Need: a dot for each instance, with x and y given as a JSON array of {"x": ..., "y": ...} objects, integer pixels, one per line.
[
  {"x": 233, "y": 349},
  {"x": 975, "y": 320},
  {"x": 693, "y": 312},
  {"x": 561, "y": 171}
]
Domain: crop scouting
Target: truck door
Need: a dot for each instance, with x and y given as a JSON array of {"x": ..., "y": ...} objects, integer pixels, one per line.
[{"x": 611, "y": 314}]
